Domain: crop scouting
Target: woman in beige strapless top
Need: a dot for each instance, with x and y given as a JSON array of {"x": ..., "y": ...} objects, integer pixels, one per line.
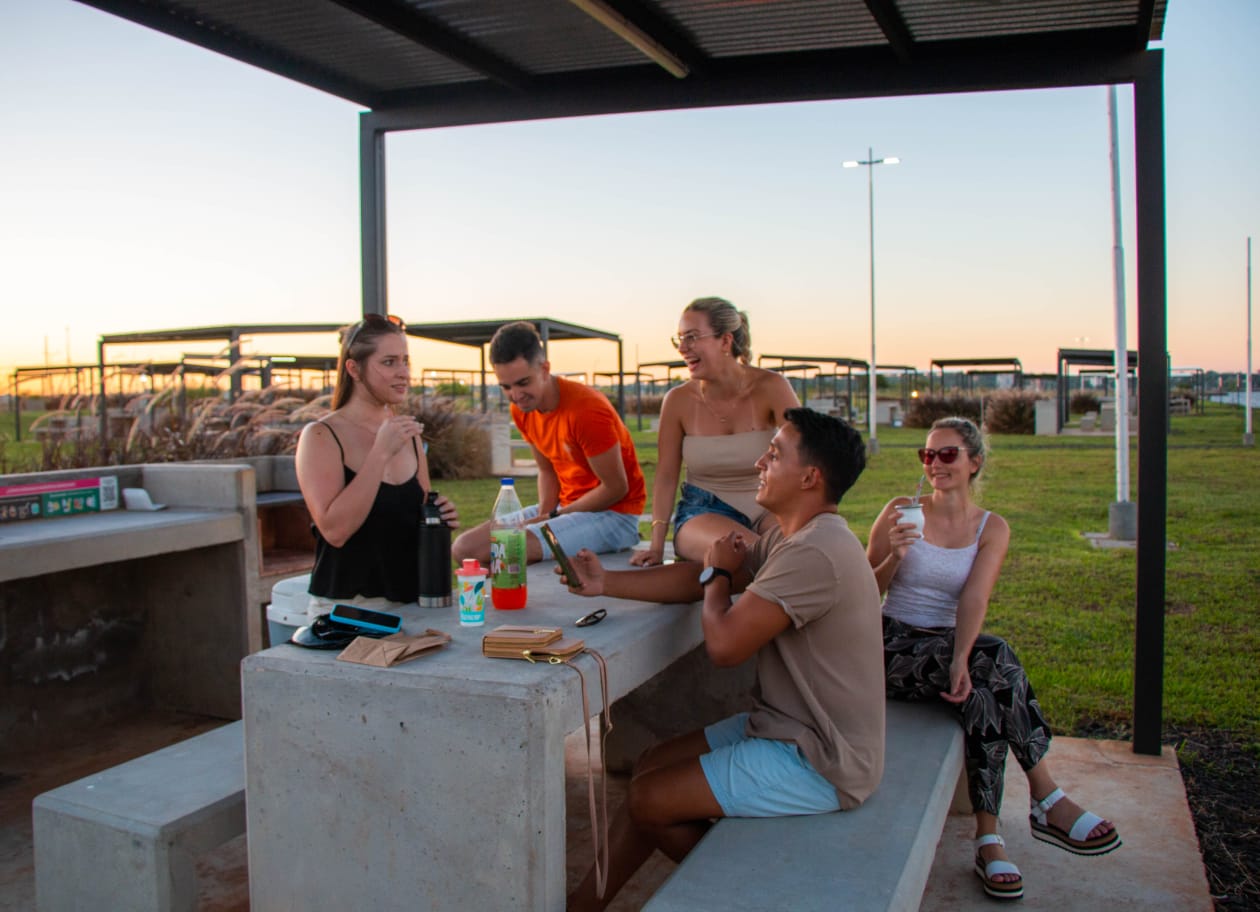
[{"x": 717, "y": 423}]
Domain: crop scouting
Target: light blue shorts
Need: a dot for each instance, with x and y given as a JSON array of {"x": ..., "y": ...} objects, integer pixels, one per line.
[
  {"x": 757, "y": 777},
  {"x": 601, "y": 532}
]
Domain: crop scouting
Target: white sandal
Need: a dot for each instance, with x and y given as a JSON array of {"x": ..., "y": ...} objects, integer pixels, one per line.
[
  {"x": 1077, "y": 839},
  {"x": 986, "y": 870}
]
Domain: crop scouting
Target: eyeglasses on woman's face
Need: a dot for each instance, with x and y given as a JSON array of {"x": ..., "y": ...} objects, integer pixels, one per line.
[
  {"x": 376, "y": 321},
  {"x": 946, "y": 455},
  {"x": 689, "y": 339}
]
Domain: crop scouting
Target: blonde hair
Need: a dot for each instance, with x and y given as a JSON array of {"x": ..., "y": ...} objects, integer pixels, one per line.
[
  {"x": 972, "y": 436},
  {"x": 724, "y": 318}
]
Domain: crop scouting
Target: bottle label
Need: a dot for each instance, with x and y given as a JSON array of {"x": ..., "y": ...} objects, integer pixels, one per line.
[{"x": 507, "y": 558}]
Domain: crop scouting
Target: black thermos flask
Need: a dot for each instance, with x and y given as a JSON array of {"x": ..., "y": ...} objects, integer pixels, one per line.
[{"x": 435, "y": 556}]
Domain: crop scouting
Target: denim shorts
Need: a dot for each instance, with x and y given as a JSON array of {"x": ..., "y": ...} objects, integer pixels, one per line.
[
  {"x": 693, "y": 501},
  {"x": 602, "y": 532},
  {"x": 757, "y": 777}
]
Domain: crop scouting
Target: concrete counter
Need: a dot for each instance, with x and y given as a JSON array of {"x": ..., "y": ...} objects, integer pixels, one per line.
[
  {"x": 108, "y": 611},
  {"x": 439, "y": 783},
  {"x": 55, "y": 545}
]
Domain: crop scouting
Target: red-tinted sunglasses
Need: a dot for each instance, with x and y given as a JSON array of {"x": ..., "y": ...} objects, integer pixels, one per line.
[
  {"x": 946, "y": 455},
  {"x": 377, "y": 321}
]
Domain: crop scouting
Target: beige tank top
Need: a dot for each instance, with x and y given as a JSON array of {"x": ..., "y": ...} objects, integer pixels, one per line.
[{"x": 722, "y": 464}]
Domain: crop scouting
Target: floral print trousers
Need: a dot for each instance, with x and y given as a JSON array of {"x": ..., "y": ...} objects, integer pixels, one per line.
[{"x": 1001, "y": 712}]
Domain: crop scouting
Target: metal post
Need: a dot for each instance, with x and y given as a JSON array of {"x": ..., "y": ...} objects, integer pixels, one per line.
[
  {"x": 1148, "y": 677},
  {"x": 1122, "y": 516},
  {"x": 1249, "y": 438},
  {"x": 873, "y": 441},
  {"x": 372, "y": 214}
]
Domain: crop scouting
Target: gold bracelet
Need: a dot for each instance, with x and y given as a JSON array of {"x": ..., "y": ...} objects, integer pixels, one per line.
[{"x": 659, "y": 522}]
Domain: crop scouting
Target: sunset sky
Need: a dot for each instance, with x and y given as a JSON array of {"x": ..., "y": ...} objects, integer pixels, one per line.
[{"x": 146, "y": 183}]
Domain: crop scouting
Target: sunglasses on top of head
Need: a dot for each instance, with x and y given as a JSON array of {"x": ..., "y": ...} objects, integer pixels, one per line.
[
  {"x": 377, "y": 321},
  {"x": 946, "y": 455}
]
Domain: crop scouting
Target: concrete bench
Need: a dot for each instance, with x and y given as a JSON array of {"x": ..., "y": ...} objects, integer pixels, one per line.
[
  {"x": 127, "y": 837},
  {"x": 876, "y": 857},
  {"x": 1088, "y": 420}
]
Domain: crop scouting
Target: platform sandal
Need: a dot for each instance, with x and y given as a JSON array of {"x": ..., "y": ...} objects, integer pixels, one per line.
[
  {"x": 1076, "y": 840},
  {"x": 987, "y": 870}
]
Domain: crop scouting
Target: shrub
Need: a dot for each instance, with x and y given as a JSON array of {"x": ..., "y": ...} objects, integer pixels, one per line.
[
  {"x": 926, "y": 409},
  {"x": 1083, "y": 402},
  {"x": 648, "y": 405},
  {"x": 1011, "y": 412},
  {"x": 459, "y": 441}
]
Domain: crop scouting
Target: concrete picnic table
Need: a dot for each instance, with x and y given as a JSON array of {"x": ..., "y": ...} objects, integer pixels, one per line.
[{"x": 439, "y": 783}]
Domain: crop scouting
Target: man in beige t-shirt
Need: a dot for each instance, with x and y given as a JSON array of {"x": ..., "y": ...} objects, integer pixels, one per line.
[{"x": 814, "y": 740}]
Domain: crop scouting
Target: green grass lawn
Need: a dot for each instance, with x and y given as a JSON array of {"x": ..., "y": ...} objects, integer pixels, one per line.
[
  {"x": 17, "y": 455},
  {"x": 1067, "y": 607}
]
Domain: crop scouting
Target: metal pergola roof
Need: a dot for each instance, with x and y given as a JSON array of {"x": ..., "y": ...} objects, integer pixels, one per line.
[
  {"x": 479, "y": 61},
  {"x": 478, "y": 333},
  {"x": 418, "y": 64}
]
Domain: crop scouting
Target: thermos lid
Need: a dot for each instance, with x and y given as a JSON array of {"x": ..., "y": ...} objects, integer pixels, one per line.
[{"x": 471, "y": 568}]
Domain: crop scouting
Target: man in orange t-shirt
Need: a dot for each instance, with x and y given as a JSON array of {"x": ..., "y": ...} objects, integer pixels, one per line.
[{"x": 590, "y": 487}]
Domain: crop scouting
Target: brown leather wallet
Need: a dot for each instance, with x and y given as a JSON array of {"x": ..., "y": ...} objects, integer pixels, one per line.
[{"x": 534, "y": 644}]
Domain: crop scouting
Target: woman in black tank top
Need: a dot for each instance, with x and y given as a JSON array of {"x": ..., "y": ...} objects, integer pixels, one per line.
[{"x": 363, "y": 472}]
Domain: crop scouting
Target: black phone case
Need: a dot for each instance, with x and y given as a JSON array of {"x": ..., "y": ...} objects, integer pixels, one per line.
[{"x": 566, "y": 566}]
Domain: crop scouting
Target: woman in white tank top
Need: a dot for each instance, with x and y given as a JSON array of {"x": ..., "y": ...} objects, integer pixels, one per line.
[{"x": 937, "y": 589}]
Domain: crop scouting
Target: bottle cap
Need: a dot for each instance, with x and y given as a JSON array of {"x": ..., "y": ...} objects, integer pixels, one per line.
[
  {"x": 471, "y": 568},
  {"x": 508, "y": 481}
]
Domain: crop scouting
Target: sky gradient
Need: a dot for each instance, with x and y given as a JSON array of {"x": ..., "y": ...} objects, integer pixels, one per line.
[{"x": 149, "y": 184}]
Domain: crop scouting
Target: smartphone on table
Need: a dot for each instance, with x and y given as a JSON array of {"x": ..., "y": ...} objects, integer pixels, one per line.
[
  {"x": 566, "y": 565},
  {"x": 366, "y": 618}
]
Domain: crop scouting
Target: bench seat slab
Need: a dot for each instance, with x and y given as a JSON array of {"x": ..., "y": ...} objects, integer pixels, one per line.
[
  {"x": 876, "y": 857},
  {"x": 127, "y": 837}
]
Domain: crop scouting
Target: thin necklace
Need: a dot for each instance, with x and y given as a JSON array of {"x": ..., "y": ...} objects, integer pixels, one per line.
[{"x": 712, "y": 411}]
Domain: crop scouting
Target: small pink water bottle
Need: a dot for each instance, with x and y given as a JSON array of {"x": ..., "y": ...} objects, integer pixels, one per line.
[{"x": 472, "y": 593}]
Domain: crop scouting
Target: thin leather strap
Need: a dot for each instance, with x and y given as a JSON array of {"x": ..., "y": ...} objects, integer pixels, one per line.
[{"x": 599, "y": 816}]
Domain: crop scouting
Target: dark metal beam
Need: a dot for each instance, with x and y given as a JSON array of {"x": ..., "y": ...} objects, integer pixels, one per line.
[
  {"x": 818, "y": 76},
  {"x": 406, "y": 20},
  {"x": 1145, "y": 16},
  {"x": 888, "y": 18},
  {"x": 372, "y": 245},
  {"x": 1148, "y": 673},
  {"x": 649, "y": 19},
  {"x": 219, "y": 37}
]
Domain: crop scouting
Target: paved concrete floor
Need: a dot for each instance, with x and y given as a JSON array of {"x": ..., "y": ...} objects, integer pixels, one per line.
[{"x": 1157, "y": 868}]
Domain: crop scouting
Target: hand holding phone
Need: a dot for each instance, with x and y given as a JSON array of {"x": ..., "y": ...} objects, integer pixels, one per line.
[
  {"x": 566, "y": 565},
  {"x": 366, "y": 619}
]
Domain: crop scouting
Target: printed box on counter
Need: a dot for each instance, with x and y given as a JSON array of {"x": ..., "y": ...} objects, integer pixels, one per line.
[{"x": 58, "y": 498}]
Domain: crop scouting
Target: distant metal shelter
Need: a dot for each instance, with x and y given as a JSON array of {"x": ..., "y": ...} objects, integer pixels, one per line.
[
  {"x": 1068, "y": 358},
  {"x": 420, "y": 66},
  {"x": 975, "y": 367},
  {"x": 1197, "y": 382},
  {"x": 638, "y": 388},
  {"x": 909, "y": 378},
  {"x": 841, "y": 372},
  {"x": 669, "y": 366},
  {"x": 478, "y": 333}
]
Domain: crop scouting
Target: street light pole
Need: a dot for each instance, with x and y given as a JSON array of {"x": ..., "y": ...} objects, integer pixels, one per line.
[
  {"x": 1249, "y": 439},
  {"x": 872, "y": 443}
]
